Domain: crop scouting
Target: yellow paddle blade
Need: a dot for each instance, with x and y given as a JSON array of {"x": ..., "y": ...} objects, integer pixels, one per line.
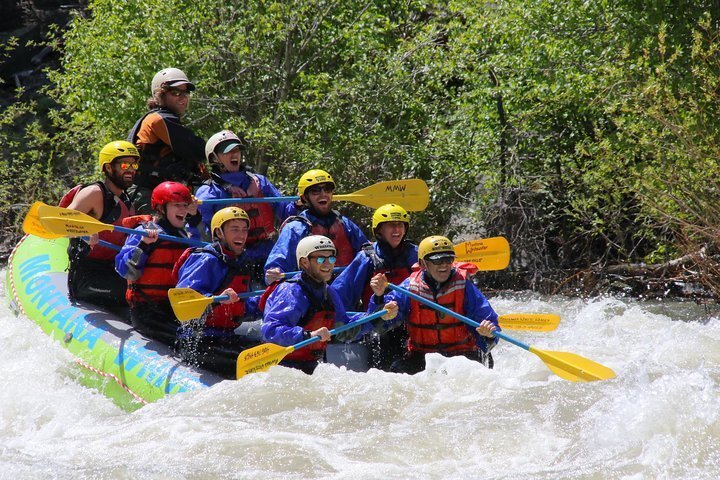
[
  {"x": 70, "y": 223},
  {"x": 532, "y": 322},
  {"x": 487, "y": 253},
  {"x": 33, "y": 226},
  {"x": 73, "y": 228},
  {"x": 573, "y": 367},
  {"x": 412, "y": 194},
  {"x": 260, "y": 358},
  {"x": 187, "y": 304}
]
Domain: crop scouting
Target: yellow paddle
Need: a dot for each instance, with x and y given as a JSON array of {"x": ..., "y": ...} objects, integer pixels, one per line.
[
  {"x": 33, "y": 226},
  {"x": 262, "y": 357},
  {"x": 487, "y": 253},
  {"x": 569, "y": 366},
  {"x": 71, "y": 223},
  {"x": 412, "y": 194},
  {"x": 187, "y": 304}
]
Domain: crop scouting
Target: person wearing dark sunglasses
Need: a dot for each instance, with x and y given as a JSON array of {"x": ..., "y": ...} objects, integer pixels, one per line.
[
  {"x": 169, "y": 149},
  {"x": 91, "y": 273},
  {"x": 304, "y": 306},
  {"x": 315, "y": 188},
  {"x": 448, "y": 284}
]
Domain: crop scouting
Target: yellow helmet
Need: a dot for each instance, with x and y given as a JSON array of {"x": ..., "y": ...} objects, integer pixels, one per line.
[
  {"x": 117, "y": 149},
  {"x": 227, "y": 214},
  {"x": 314, "y": 177},
  {"x": 390, "y": 213},
  {"x": 435, "y": 245}
]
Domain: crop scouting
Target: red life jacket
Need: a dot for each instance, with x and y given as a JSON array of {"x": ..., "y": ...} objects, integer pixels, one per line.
[
  {"x": 236, "y": 277},
  {"x": 262, "y": 217},
  {"x": 336, "y": 232},
  {"x": 157, "y": 276},
  {"x": 114, "y": 210},
  {"x": 432, "y": 331},
  {"x": 320, "y": 314}
]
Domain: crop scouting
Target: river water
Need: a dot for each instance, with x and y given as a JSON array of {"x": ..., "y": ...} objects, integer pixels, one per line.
[{"x": 660, "y": 418}]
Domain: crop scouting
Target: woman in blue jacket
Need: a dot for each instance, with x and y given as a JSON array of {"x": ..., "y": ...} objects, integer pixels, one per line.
[{"x": 392, "y": 255}]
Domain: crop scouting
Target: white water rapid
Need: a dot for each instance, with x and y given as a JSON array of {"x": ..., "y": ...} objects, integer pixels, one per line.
[{"x": 660, "y": 418}]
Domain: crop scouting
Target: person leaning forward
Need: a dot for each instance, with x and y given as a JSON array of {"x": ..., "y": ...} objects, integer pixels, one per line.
[
  {"x": 448, "y": 284},
  {"x": 169, "y": 150},
  {"x": 304, "y": 306},
  {"x": 222, "y": 268},
  {"x": 91, "y": 273}
]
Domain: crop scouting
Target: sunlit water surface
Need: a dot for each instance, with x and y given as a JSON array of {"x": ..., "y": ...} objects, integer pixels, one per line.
[{"x": 660, "y": 418}]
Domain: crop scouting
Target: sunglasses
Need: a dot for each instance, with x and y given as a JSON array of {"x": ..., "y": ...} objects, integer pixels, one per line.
[
  {"x": 320, "y": 260},
  {"x": 127, "y": 165},
  {"x": 442, "y": 261},
  {"x": 179, "y": 93},
  {"x": 322, "y": 188}
]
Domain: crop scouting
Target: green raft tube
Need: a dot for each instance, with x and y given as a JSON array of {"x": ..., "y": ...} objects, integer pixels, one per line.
[{"x": 127, "y": 367}]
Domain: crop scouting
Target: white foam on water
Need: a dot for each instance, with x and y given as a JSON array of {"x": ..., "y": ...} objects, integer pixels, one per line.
[{"x": 660, "y": 418}]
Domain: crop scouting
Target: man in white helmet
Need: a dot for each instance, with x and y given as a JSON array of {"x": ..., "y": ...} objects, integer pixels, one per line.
[
  {"x": 231, "y": 178},
  {"x": 169, "y": 150},
  {"x": 304, "y": 306}
]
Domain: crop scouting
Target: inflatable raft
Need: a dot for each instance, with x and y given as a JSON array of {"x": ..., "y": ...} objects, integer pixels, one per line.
[{"x": 117, "y": 360}]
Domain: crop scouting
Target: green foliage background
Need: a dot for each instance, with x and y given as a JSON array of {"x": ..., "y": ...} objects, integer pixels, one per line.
[{"x": 577, "y": 129}]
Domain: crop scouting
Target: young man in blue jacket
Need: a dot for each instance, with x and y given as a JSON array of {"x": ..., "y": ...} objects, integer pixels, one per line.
[
  {"x": 304, "y": 306},
  {"x": 221, "y": 268},
  {"x": 315, "y": 188}
]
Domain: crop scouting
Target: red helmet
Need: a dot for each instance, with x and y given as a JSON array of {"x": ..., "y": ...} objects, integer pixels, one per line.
[{"x": 168, "y": 192}]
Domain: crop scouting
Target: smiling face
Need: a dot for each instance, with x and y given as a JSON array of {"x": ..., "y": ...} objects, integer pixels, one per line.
[
  {"x": 234, "y": 235},
  {"x": 230, "y": 161},
  {"x": 320, "y": 272},
  {"x": 439, "y": 269},
  {"x": 175, "y": 212},
  {"x": 392, "y": 232},
  {"x": 319, "y": 197},
  {"x": 176, "y": 99},
  {"x": 122, "y": 177}
]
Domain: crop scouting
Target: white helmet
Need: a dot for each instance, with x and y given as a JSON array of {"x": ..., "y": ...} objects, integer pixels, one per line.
[
  {"x": 170, "y": 77},
  {"x": 313, "y": 243},
  {"x": 226, "y": 138}
]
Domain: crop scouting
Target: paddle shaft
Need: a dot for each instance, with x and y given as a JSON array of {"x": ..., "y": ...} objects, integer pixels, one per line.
[
  {"x": 254, "y": 293},
  {"x": 462, "y": 318},
  {"x": 223, "y": 201},
  {"x": 130, "y": 231},
  {"x": 105, "y": 244},
  {"x": 243, "y": 200},
  {"x": 337, "y": 330}
]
